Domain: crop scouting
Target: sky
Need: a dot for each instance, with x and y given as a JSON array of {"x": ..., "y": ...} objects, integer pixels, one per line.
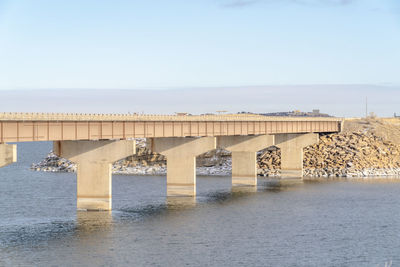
[{"x": 169, "y": 45}]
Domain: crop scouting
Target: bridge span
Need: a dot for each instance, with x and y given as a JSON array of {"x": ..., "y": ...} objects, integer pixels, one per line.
[{"x": 95, "y": 141}]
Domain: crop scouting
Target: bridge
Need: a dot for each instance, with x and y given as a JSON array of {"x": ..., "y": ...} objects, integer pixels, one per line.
[{"x": 95, "y": 141}]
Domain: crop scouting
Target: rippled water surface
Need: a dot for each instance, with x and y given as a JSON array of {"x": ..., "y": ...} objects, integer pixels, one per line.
[{"x": 336, "y": 223}]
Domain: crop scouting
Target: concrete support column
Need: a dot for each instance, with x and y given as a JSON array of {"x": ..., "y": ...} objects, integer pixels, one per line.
[
  {"x": 94, "y": 160},
  {"x": 291, "y": 146},
  {"x": 181, "y": 155},
  {"x": 244, "y": 168},
  {"x": 181, "y": 175},
  {"x": 244, "y": 156},
  {"x": 94, "y": 184},
  {"x": 8, "y": 154}
]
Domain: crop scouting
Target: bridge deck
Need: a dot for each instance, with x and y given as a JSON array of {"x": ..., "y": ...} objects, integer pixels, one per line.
[{"x": 27, "y": 127}]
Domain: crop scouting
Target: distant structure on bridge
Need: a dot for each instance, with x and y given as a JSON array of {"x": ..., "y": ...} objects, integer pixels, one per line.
[{"x": 294, "y": 113}]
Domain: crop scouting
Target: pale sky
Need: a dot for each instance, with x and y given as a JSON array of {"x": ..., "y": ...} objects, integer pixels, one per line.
[{"x": 47, "y": 44}]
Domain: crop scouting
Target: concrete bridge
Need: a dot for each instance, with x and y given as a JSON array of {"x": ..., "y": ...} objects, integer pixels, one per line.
[{"x": 95, "y": 141}]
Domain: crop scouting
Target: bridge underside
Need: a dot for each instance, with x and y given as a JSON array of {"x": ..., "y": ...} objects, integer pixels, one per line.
[
  {"x": 94, "y": 160},
  {"x": 95, "y": 142}
]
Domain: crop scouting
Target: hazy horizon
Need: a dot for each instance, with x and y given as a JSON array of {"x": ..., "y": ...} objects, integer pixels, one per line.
[{"x": 337, "y": 100}]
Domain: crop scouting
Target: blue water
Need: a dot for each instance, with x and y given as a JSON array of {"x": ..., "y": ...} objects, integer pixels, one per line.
[{"x": 319, "y": 223}]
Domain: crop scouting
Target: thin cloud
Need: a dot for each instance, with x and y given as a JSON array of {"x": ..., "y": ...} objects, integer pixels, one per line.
[
  {"x": 323, "y": 2},
  {"x": 241, "y": 3},
  {"x": 246, "y": 3}
]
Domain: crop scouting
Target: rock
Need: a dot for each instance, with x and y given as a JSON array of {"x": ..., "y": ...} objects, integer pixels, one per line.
[
  {"x": 349, "y": 164},
  {"x": 336, "y": 155}
]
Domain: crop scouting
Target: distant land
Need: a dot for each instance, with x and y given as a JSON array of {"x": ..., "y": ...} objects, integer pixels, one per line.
[
  {"x": 336, "y": 100},
  {"x": 295, "y": 113}
]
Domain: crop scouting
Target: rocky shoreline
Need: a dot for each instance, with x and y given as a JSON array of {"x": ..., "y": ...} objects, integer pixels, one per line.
[
  {"x": 348, "y": 154},
  {"x": 53, "y": 163}
]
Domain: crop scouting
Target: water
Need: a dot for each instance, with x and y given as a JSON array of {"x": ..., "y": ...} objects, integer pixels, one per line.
[{"x": 336, "y": 223}]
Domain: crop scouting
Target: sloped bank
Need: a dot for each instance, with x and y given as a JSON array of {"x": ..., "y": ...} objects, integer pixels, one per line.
[{"x": 342, "y": 155}]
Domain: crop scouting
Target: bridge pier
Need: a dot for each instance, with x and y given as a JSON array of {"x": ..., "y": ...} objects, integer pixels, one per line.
[
  {"x": 8, "y": 154},
  {"x": 94, "y": 160},
  {"x": 291, "y": 146},
  {"x": 181, "y": 155},
  {"x": 244, "y": 156}
]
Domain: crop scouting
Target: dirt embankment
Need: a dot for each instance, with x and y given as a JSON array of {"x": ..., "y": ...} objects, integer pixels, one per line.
[{"x": 386, "y": 128}]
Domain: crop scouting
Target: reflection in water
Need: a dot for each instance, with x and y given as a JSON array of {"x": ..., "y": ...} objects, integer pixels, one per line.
[
  {"x": 243, "y": 189},
  {"x": 139, "y": 213},
  {"x": 180, "y": 202},
  {"x": 236, "y": 193},
  {"x": 337, "y": 222},
  {"x": 93, "y": 236},
  {"x": 288, "y": 182},
  {"x": 15, "y": 235},
  {"x": 218, "y": 197},
  {"x": 279, "y": 184},
  {"x": 88, "y": 221}
]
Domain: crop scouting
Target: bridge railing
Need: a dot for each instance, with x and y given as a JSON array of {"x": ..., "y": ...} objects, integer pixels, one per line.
[{"x": 13, "y": 116}]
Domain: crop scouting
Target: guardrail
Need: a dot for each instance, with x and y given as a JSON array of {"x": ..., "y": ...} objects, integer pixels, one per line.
[{"x": 10, "y": 116}]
